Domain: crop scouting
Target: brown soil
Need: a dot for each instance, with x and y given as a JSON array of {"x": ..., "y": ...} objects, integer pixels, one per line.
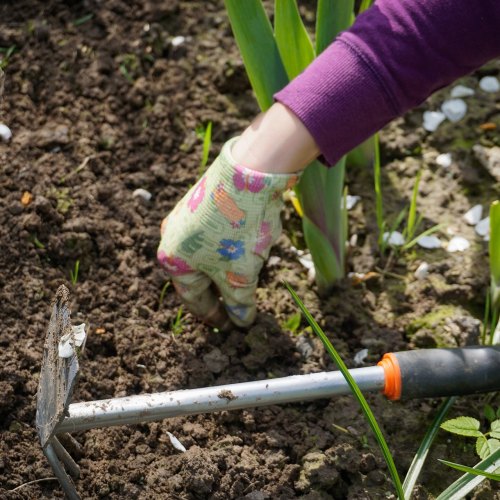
[{"x": 102, "y": 106}]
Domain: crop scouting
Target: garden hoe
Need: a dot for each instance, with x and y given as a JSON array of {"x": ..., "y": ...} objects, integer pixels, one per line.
[{"x": 412, "y": 374}]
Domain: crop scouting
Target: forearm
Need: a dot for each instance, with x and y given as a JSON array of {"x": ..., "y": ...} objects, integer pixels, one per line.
[{"x": 396, "y": 54}]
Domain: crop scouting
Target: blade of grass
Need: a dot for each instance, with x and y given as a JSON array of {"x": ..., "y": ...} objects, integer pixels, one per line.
[
  {"x": 470, "y": 470},
  {"x": 494, "y": 247},
  {"x": 486, "y": 317},
  {"x": 379, "y": 203},
  {"x": 465, "y": 484},
  {"x": 293, "y": 42},
  {"x": 423, "y": 450},
  {"x": 411, "y": 226},
  {"x": 427, "y": 232},
  {"x": 370, "y": 417}
]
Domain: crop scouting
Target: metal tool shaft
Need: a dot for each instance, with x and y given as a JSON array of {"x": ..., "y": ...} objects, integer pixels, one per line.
[{"x": 158, "y": 406}]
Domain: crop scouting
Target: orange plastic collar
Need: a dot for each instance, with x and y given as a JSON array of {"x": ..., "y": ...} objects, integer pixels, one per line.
[{"x": 392, "y": 388}]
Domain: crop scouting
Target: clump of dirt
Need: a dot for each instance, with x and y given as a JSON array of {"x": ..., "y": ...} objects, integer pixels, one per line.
[{"x": 102, "y": 101}]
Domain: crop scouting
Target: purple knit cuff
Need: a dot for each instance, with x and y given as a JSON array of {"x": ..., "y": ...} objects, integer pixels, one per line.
[{"x": 339, "y": 99}]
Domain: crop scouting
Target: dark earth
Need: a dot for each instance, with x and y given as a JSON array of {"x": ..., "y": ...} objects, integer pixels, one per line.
[{"x": 100, "y": 103}]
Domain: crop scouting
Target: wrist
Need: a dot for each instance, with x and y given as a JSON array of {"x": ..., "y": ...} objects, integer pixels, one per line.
[{"x": 276, "y": 142}]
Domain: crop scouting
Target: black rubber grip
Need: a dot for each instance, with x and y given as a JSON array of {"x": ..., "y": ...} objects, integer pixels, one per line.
[{"x": 449, "y": 372}]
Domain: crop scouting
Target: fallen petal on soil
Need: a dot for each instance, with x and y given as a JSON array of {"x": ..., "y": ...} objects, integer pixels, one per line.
[
  {"x": 142, "y": 193},
  {"x": 395, "y": 238},
  {"x": 444, "y": 160},
  {"x": 461, "y": 91},
  {"x": 5, "y": 133},
  {"x": 473, "y": 216},
  {"x": 489, "y": 84},
  {"x": 429, "y": 242},
  {"x": 176, "y": 443},
  {"x": 458, "y": 244},
  {"x": 454, "y": 109},
  {"x": 432, "y": 120},
  {"x": 483, "y": 227},
  {"x": 360, "y": 357},
  {"x": 422, "y": 271}
]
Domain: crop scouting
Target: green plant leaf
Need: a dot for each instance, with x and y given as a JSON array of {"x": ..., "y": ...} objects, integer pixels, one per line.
[
  {"x": 293, "y": 42},
  {"x": 489, "y": 413},
  {"x": 464, "y": 426},
  {"x": 254, "y": 36},
  {"x": 494, "y": 246},
  {"x": 411, "y": 225},
  {"x": 332, "y": 17},
  {"x": 470, "y": 470},
  {"x": 293, "y": 322},
  {"x": 495, "y": 428},
  {"x": 465, "y": 484},
  {"x": 423, "y": 450},
  {"x": 485, "y": 447},
  {"x": 355, "y": 390}
]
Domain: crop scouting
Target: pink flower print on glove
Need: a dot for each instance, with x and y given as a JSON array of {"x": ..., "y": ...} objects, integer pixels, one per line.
[
  {"x": 175, "y": 266},
  {"x": 264, "y": 239},
  {"x": 249, "y": 180},
  {"x": 198, "y": 195}
]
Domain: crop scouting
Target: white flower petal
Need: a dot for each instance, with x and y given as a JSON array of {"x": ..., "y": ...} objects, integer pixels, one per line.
[
  {"x": 176, "y": 443},
  {"x": 306, "y": 261},
  {"x": 454, "y": 109},
  {"x": 473, "y": 216},
  {"x": 395, "y": 238},
  {"x": 351, "y": 201},
  {"x": 422, "y": 271},
  {"x": 360, "y": 357},
  {"x": 79, "y": 334},
  {"x": 178, "y": 40},
  {"x": 5, "y": 133},
  {"x": 483, "y": 227},
  {"x": 444, "y": 160},
  {"x": 65, "y": 349},
  {"x": 142, "y": 193},
  {"x": 461, "y": 91},
  {"x": 458, "y": 244},
  {"x": 432, "y": 120},
  {"x": 489, "y": 84},
  {"x": 429, "y": 242}
]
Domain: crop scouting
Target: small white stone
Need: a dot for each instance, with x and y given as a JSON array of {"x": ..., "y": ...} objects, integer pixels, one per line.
[
  {"x": 432, "y": 120},
  {"x": 351, "y": 201},
  {"x": 429, "y": 242},
  {"x": 178, "y": 40},
  {"x": 482, "y": 228},
  {"x": 454, "y": 109},
  {"x": 422, "y": 271},
  {"x": 142, "y": 193},
  {"x": 489, "y": 84},
  {"x": 473, "y": 216},
  {"x": 360, "y": 357},
  {"x": 444, "y": 160},
  {"x": 458, "y": 244},
  {"x": 461, "y": 91},
  {"x": 395, "y": 238},
  {"x": 176, "y": 443},
  {"x": 5, "y": 133}
]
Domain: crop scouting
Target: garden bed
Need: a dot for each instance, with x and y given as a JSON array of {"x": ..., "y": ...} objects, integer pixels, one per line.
[{"x": 101, "y": 103}]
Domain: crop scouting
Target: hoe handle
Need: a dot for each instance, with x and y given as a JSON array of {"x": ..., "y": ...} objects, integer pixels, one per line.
[{"x": 441, "y": 372}]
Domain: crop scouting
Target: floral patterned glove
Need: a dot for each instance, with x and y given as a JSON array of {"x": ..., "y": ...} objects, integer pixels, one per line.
[{"x": 220, "y": 234}]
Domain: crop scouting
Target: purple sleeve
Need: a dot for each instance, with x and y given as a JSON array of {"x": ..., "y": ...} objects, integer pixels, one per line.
[{"x": 394, "y": 56}]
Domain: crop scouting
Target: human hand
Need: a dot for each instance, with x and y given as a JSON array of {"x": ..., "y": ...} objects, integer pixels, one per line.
[{"x": 217, "y": 238}]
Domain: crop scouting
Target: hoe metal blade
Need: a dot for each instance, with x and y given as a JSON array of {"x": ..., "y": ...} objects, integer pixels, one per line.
[
  {"x": 58, "y": 374},
  {"x": 55, "y": 388}
]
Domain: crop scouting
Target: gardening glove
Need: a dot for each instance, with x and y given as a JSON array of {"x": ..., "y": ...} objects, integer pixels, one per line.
[{"x": 220, "y": 234}]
